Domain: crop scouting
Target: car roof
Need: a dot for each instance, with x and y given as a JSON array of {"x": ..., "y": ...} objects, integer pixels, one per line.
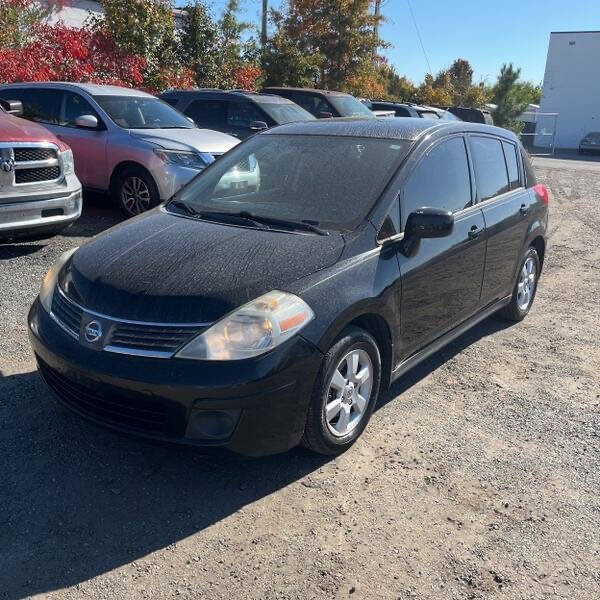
[
  {"x": 271, "y": 89},
  {"x": 213, "y": 93},
  {"x": 91, "y": 88},
  {"x": 400, "y": 128}
]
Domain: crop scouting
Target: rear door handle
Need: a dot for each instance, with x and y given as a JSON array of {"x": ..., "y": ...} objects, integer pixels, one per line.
[
  {"x": 475, "y": 232},
  {"x": 524, "y": 209}
]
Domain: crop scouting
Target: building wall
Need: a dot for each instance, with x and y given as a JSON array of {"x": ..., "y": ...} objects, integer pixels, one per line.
[
  {"x": 571, "y": 88},
  {"x": 75, "y": 13}
]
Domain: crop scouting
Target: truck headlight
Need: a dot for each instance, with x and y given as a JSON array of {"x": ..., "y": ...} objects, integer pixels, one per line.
[
  {"x": 252, "y": 329},
  {"x": 49, "y": 281},
  {"x": 192, "y": 160},
  {"x": 67, "y": 162}
]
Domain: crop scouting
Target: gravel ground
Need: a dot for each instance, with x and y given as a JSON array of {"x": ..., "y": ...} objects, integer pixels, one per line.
[{"x": 477, "y": 477}]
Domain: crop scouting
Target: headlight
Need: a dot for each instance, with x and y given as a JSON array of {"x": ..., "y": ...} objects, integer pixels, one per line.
[
  {"x": 49, "y": 281},
  {"x": 67, "y": 161},
  {"x": 252, "y": 329},
  {"x": 192, "y": 160}
]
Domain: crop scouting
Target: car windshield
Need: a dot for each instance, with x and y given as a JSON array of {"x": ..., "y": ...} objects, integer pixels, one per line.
[
  {"x": 142, "y": 112},
  {"x": 328, "y": 181},
  {"x": 285, "y": 112},
  {"x": 448, "y": 116},
  {"x": 349, "y": 106}
]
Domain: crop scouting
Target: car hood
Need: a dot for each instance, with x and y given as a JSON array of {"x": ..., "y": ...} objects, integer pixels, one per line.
[
  {"x": 201, "y": 140},
  {"x": 167, "y": 268},
  {"x": 15, "y": 129}
]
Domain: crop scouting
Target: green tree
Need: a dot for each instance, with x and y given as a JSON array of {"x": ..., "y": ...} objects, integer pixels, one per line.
[
  {"x": 18, "y": 19},
  {"x": 510, "y": 98},
  {"x": 331, "y": 42},
  {"x": 198, "y": 44},
  {"x": 145, "y": 28},
  {"x": 461, "y": 76}
]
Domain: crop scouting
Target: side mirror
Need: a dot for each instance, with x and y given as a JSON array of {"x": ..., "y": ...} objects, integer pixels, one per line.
[
  {"x": 425, "y": 223},
  {"x": 12, "y": 107},
  {"x": 87, "y": 122},
  {"x": 258, "y": 125},
  {"x": 325, "y": 115}
]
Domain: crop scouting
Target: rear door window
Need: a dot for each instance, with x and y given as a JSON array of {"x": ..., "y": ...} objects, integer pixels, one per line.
[
  {"x": 510, "y": 153},
  {"x": 402, "y": 112},
  {"x": 211, "y": 114},
  {"x": 39, "y": 104},
  {"x": 490, "y": 167},
  {"x": 440, "y": 180}
]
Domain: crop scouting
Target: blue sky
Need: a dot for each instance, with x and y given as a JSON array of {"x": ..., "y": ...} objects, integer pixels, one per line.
[{"x": 485, "y": 33}]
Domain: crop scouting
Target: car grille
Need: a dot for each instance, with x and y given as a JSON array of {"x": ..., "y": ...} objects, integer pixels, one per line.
[
  {"x": 27, "y": 154},
  {"x": 150, "y": 337},
  {"x": 150, "y": 416},
  {"x": 67, "y": 313},
  {"x": 37, "y": 175},
  {"x": 125, "y": 337}
]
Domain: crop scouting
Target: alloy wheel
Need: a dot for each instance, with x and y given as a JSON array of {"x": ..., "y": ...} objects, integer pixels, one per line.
[
  {"x": 526, "y": 284},
  {"x": 348, "y": 393},
  {"x": 135, "y": 195}
]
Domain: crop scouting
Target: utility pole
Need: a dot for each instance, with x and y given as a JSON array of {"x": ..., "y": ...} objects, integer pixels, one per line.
[
  {"x": 377, "y": 15},
  {"x": 263, "y": 32}
]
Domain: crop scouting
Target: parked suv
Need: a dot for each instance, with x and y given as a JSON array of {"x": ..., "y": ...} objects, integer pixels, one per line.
[
  {"x": 324, "y": 104},
  {"x": 415, "y": 110},
  {"x": 235, "y": 112},
  {"x": 278, "y": 314},
  {"x": 39, "y": 191},
  {"x": 124, "y": 141}
]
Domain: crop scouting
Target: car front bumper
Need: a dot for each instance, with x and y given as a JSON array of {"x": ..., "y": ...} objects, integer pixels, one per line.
[{"x": 255, "y": 407}]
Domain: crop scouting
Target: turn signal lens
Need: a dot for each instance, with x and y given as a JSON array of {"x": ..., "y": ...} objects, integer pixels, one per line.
[
  {"x": 252, "y": 329},
  {"x": 541, "y": 191}
]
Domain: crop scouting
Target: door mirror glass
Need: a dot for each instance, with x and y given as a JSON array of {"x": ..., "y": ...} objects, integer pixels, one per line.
[
  {"x": 429, "y": 222},
  {"x": 323, "y": 114},
  {"x": 12, "y": 107},
  {"x": 258, "y": 125},
  {"x": 87, "y": 122}
]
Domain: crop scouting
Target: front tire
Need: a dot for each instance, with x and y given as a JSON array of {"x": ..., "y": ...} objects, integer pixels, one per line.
[
  {"x": 345, "y": 393},
  {"x": 525, "y": 287},
  {"x": 135, "y": 191}
]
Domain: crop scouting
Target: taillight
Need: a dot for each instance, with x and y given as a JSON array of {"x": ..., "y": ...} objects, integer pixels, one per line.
[{"x": 541, "y": 191}]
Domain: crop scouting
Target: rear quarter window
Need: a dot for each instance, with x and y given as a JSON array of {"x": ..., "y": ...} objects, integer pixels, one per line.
[
  {"x": 490, "y": 167},
  {"x": 530, "y": 179},
  {"x": 510, "y": 153}
]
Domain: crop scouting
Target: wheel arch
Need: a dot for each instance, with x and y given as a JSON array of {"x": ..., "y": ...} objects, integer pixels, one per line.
[
  {"x": 122, "y": 166},
  {"x": 540, "y": 246}
]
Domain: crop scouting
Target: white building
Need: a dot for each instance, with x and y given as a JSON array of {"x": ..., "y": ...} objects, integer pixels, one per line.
[{"x": 571, "y": 88}]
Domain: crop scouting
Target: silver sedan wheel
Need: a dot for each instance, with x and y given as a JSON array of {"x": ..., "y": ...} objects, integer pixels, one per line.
[
  {"x": 348, "y": 393},
  {"x": 526, "y": 284},
  {"x": 135, "y": 195}
]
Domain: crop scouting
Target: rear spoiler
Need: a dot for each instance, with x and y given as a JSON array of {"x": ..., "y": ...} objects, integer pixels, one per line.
[{"x": 12, "y": 107}]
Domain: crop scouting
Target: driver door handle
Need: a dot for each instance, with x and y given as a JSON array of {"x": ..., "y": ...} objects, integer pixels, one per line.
[
  {"x": 524, "y": 209},
  {"x": 475, "y": 232}
]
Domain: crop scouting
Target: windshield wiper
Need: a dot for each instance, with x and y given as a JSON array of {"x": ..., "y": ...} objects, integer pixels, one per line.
[{"x": 303, "y": 225}]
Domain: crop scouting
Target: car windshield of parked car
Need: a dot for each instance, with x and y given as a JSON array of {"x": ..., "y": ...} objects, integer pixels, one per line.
[
  {"x": 328, "y": 181},
  {"x": 349, "y": 106},
  {"x": 141, "y": 112},
  {"x": 448, "y": 116},
  {"x": 285, "y": 112}
]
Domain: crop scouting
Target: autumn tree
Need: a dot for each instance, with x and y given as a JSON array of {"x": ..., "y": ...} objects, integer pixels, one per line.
[
  {"x": 18, "y": 19},
  {"x": 332, "y": 42}
]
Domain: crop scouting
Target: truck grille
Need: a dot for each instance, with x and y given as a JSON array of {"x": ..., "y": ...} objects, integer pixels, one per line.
[
  {"x": 124, "y": 337},
  {"x": 37, "y": 175},
  {"x": 28, "y": 163},
  {"x": 27, "y": 154}
]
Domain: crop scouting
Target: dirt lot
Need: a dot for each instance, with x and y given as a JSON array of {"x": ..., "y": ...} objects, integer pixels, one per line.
[{"x": 478, "y": 476}]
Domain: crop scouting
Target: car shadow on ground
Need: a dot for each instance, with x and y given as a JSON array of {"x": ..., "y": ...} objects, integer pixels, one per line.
[{"x": 78, "y": 501}]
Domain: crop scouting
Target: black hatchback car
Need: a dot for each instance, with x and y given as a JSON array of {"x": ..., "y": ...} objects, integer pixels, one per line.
[
  {"x": 258, "y": 316},
  {"x": 237, "y": 113}
]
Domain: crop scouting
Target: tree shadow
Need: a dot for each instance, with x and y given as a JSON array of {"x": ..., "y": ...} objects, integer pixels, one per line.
[{"x": 78, "y": 501}]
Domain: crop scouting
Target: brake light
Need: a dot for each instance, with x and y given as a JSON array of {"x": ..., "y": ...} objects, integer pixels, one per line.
[{"x": 541, "y": 191}]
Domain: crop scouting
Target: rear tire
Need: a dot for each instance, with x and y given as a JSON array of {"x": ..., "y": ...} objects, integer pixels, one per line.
[
  {"x": 344, "y": 394},
  {"x": 525, "y": 287},
  {"x": 135, "y": 191}
]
